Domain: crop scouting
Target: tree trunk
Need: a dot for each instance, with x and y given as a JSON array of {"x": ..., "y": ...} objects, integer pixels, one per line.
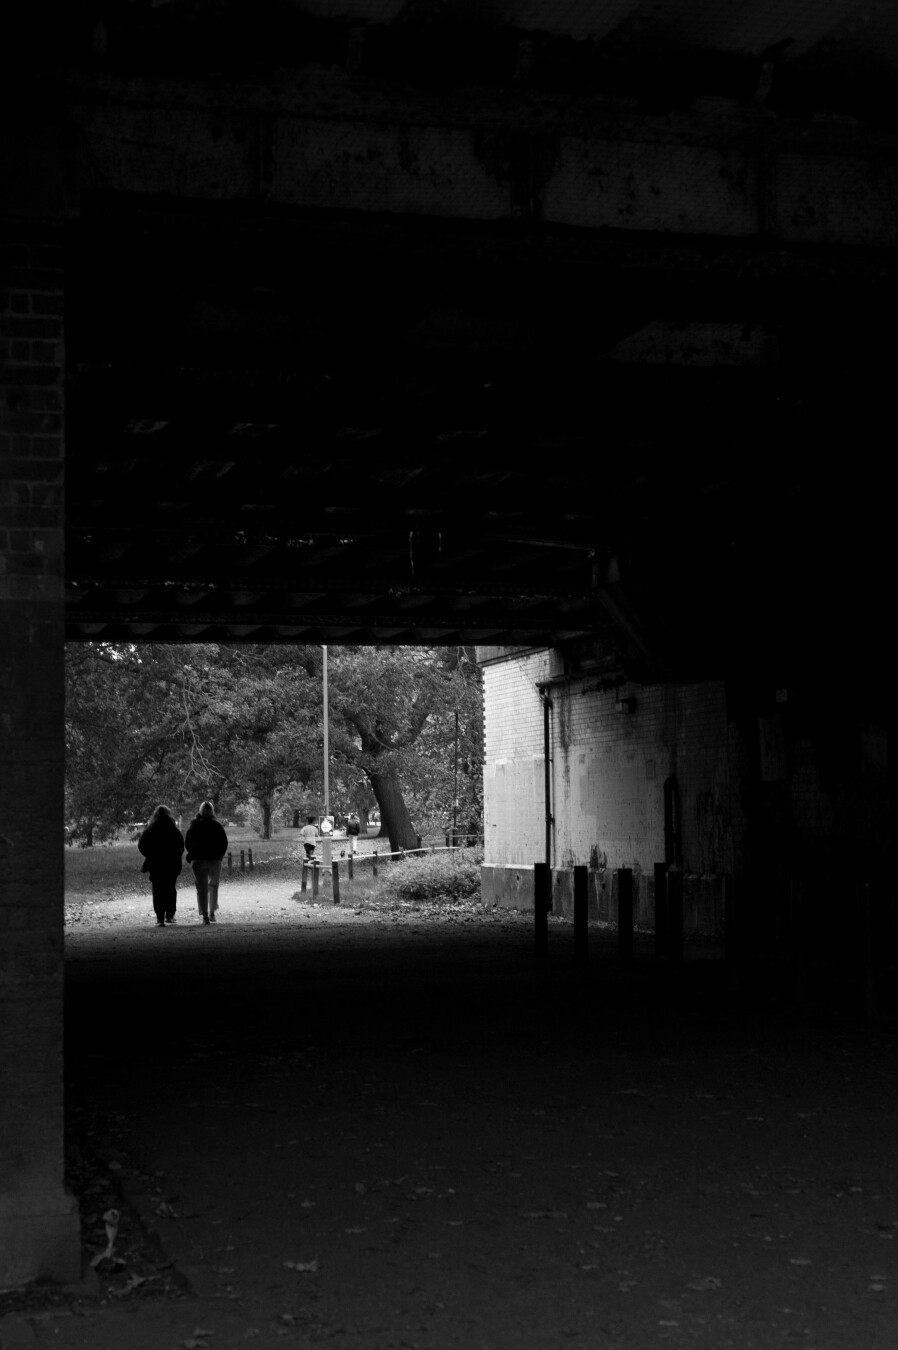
[
  {"x": 265, "y": 803},
  {"x": 395, "y": 819}
]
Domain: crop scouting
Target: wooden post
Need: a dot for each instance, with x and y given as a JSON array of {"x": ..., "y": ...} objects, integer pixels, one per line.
[
  {"x": 730, "y": 937},
  {"x": 675, "y": 915},
  {"x": 870, "y": 1000},
  {"x": 581, "y": 916},
  {"x": 625, "y": 915},
  {"x": 305, "y": 876},
  {"x": 314, "y": 881},
  {"x": 335, "y": 881},
  {"x": 418, "y": 837},
  {"x": 374, "y": 862},
  {"x": 229, "y": 862},
  {"x": 249, "y": 854},
  {"x": 242, "y": 861},
  {"x": 541, "y": 883},
  {"x": 350, "y": 865},
  {"x": 799, "y": 938},
  {"x": 661, "y": 922}
]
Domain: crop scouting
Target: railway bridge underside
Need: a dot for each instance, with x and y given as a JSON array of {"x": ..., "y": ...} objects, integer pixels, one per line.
[{"x": 580, "y": 339}]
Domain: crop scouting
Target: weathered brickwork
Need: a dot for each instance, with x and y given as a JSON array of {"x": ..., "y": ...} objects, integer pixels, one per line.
[
  {"x": 38, "y": 1219},
  {"x": 608, "y": 768},
  {"x": 514, "y": 762}
]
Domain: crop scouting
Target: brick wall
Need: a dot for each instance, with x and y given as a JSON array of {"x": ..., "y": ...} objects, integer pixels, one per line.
[
  {"x": 38, "y": 1219},
  {"x": 514, "y": 763},
  {"x": 608, "y": 770}
]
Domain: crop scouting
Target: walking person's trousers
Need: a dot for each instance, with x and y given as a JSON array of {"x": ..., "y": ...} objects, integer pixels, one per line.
[
  {"x": 207, "y": 873},
  {"x": 165, "y": 895}
]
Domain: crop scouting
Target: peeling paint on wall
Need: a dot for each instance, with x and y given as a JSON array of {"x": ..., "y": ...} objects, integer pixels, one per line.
[{"x": 608, "y": 802}]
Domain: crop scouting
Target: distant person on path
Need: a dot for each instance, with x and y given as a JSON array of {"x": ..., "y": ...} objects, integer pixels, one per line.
[
  {"x": 353, "y": 829},
  {"x": 207, "y": 844},
  {"x": 309, "y": 836},
  {"x": 162, "y": 845}
]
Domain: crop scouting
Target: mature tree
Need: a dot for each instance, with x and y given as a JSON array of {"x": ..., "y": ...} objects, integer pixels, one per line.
[
  {"x": 99, "y": 742},
  {"x": 131, "y": 741},
  {"x": 394, "y": 719},
  {"x": 444, "y": 781},
  {"x": 260, "y": 723},
  {"x": 151, "y": 723}
]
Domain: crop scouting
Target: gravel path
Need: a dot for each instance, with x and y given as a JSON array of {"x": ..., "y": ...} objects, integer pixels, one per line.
[{"x": 373, "y": 1130}]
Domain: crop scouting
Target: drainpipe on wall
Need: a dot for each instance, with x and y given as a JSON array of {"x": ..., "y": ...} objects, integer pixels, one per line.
[{"x": 547, "y": 760}]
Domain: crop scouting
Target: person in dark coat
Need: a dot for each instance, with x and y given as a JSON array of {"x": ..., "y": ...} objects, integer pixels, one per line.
[
  {"x": 207, "y": 844},
  {"x": 162, "y": 845},
  {"x": 353, "y": 830}
]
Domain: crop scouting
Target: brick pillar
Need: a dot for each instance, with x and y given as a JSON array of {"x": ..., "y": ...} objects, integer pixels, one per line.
[{"x": 39, "y": 1236}]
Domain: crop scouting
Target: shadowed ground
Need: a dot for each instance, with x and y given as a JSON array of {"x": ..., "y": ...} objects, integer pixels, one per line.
[{"x": 371, "y": 1130}]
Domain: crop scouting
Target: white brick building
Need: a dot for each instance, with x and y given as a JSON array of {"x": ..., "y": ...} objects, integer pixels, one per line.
[{"x": 638, "y": 774}]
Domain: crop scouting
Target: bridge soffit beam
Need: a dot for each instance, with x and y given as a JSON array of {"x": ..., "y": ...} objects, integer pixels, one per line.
[{"x": 739, "y": 177}]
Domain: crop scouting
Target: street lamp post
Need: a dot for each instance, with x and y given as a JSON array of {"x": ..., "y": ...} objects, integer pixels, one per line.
[
  {"x": 455, "y": 788},
  {"x": 326, "y": 838}
]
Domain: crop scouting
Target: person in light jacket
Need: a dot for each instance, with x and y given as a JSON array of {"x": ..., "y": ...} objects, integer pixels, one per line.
[
  {"x": 309, "y": 836},
  {"x": 207, "y": 844},
  {"x": 162, "y": 845}
]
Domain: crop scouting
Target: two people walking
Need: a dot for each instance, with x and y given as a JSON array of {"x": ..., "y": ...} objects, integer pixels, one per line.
[{"x": 163, "y": 845}]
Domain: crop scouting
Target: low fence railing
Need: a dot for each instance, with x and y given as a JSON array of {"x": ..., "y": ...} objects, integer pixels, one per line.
[{"x": 312, "y": 868}]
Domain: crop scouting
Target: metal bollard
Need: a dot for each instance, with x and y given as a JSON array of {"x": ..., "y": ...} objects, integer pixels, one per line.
[
  {"x": 661, "y": 923},
  {"x": 374, "y": 862},
  {"x": 675, "y": 915},
  {"x": 314, "y": 881},
  {"x": 335, "y": 881},
  {"x": 869, "y": 972},
  {"x": 799, "y": 938},
  {"x": 242, "y": 862},
  {"x": 249, "y": 855},
  {"x": 625, "y": 915},
  {"x": 305, "y": 876},
  {"x": 350, "y": 866},
  {"x": 541, "y": 899},
  {"x": 581, "y": 916},
  {"x": 730, "y": 933}
]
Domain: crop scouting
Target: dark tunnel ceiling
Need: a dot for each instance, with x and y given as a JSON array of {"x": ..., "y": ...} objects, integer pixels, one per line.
[
  {"x": 798, "y": 56},
  {"x": 327, "y": 426},
  {"x": 421, "y": 438}
]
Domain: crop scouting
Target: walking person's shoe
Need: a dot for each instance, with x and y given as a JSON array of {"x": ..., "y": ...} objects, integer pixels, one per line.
[
  {"x": 169, "y": 918},
  {"x": 205, "y": 918},
  {"x": 212, "y": 917},
  {"x": 160, "y": 923}
]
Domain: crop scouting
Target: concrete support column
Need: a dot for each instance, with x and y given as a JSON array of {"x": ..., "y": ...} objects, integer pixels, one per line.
[{"x": 39, "y": 1232}]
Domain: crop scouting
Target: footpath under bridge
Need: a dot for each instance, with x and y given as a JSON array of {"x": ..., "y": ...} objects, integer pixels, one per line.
[{"x": 572, "y": 325}]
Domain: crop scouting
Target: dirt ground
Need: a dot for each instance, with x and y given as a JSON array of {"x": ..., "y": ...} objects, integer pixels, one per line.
[{"x": 370, "y": 1129}]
